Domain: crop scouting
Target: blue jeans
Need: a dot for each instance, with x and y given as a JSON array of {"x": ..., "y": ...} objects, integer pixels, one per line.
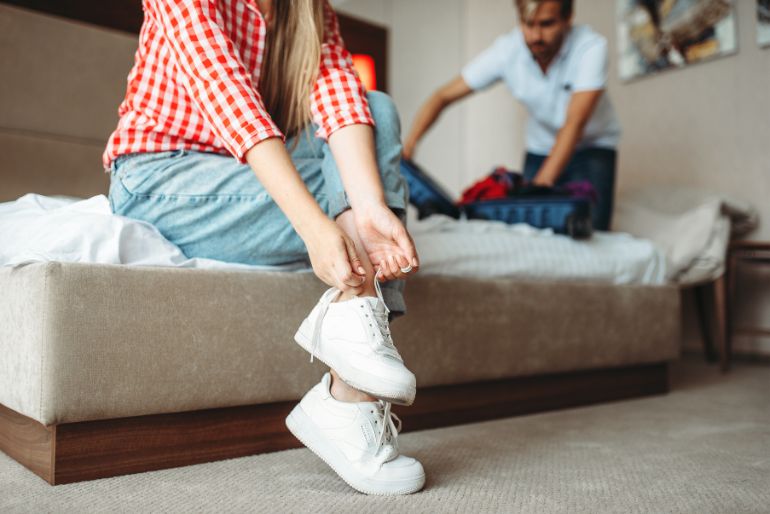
[
  {"x": 212, "y": 206},
  {"x": 596, "y": 165}
]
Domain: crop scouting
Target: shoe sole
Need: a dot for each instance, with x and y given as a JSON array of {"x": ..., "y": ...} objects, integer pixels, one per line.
[
  {"x": 300, "y": 425},
  {"x": 388, "y": 396}
]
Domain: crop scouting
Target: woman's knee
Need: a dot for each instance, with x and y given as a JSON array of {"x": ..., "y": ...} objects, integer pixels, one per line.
[{"x": 384, "y": 112}]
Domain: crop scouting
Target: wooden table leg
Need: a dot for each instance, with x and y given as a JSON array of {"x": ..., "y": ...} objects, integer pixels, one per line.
[
  {"x": 701, "y": 304},
  {"x": 720, "y": 317},
  {"x": 730, "y": 276}
]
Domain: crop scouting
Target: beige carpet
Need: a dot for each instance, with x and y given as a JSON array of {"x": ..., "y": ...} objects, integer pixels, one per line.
[{"x": 703, "y": 448}]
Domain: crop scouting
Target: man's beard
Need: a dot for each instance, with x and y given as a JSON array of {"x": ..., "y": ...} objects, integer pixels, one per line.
[
  {"x": 540, "y": 51},
  {"x": 544, "y": 52}
]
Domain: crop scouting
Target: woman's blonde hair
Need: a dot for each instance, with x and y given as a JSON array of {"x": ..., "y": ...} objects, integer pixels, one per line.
[{"x": 292, "y": 57}]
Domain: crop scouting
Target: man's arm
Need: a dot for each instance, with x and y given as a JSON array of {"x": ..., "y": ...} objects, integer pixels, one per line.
[
  {"x": 484, "y": 70},
  {"x": 579, "y": 111},
  {"x": 432, "y": 108}
]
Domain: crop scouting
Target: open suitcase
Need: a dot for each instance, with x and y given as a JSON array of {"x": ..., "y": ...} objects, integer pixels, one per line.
[{"x": 563, "y": 213}]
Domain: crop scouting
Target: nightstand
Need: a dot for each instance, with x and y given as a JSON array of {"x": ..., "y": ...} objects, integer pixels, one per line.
[{"x": 755, "y": 253}]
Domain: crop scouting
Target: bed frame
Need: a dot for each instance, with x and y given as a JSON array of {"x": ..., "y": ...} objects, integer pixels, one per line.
[{"x": 73, "y": 452}]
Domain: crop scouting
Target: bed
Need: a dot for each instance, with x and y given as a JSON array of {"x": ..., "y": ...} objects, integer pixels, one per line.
[{"x": 106, "y": 341}]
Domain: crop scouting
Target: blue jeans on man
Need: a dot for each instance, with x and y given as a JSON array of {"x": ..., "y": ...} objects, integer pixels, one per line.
[{"x": 597, "y": 166}]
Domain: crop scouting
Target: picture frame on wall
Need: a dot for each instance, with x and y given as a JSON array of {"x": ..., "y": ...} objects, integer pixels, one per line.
[
  {"x": 763, "y": 23},
  {"x": 658, "y": 35}
]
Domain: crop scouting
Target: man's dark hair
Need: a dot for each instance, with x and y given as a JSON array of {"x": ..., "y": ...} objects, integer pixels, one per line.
[{"x": 526, "y": 7}]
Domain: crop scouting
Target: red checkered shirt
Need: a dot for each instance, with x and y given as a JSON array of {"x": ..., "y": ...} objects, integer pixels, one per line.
[{"x": 195, "y": 81}]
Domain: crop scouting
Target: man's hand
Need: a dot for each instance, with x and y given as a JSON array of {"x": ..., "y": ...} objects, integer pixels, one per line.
[
  {"x": 579, "y": 111},
  {"x": 387, "y": 242},
  {"x": 543, "y": 181}
]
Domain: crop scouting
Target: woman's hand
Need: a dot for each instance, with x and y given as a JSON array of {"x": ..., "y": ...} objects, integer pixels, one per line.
[
  {"x": 387, "y": 242},
  {"x": 334, "y": 258}
]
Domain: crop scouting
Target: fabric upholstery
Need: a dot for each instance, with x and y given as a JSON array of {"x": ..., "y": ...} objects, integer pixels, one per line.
[{"x": 84, "y": 341}]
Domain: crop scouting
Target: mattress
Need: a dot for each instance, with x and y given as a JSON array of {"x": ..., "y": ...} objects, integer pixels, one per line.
[
  {"x": 95, "y": 341},
  {"x": 36, "y": 228}
]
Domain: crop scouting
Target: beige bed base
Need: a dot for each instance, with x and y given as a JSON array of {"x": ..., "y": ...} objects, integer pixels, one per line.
[{"x": 109, "y": 370}]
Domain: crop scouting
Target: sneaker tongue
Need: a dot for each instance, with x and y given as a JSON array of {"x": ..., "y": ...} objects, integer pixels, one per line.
[
  {"x": 375, "y": 303},
  {"x": 390, "y": 453}
]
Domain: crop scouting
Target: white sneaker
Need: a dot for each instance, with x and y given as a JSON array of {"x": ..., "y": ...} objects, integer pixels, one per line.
[
  {"x": 353, "y": 338},
  {"x": 358, "y": 441}
]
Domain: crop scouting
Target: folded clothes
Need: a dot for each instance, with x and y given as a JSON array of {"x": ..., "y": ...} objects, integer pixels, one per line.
[{"x": 692, "y": 227}]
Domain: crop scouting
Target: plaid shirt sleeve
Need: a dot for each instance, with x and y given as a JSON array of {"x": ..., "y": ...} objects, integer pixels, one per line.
[
  {"x": 212, "y": 73},
  {"x": 339, "y": 97}
]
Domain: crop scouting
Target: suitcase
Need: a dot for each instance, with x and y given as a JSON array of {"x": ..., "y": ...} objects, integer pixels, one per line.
[{"x": 562, "y": 213}]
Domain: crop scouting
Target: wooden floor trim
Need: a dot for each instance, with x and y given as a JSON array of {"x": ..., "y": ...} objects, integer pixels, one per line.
[{"x": 73, "y": 452}]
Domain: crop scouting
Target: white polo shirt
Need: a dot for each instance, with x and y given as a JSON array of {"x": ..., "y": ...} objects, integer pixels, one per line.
[{"x": 581, "y": 65}]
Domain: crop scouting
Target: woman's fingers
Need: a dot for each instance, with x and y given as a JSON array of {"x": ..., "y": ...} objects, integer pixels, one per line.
[
  {"x": 355, "y": 260},
  {"x": 389, "y": 269},
  {"x": 348, "y": 281},
  {"x": 348, "y": 268},
  {"x": 403, "y": 264},
  {"x": 395, "y": 267},
  {"x": 384, "y": 274},
  {"x": 405, "y": 267},
  {"x": 406, "y": 243}
]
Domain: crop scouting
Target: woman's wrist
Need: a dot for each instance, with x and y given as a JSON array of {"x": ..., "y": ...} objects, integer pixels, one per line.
[
  {"x": 366, "y": 203},
  {"x": 369, "y": 209},
  {"x": 308, "y": 220}
]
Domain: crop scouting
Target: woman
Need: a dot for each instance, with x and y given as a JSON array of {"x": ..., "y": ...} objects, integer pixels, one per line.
[{"x": 271, "y": 84}]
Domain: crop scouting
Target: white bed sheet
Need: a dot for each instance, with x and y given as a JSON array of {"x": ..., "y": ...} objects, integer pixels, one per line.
[
  {"x": 37, "y": 228},
  {"x": 477, "y": 248}
]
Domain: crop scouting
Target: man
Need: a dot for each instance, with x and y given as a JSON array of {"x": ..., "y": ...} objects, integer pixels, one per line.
[{"x": 559, "y": 72}]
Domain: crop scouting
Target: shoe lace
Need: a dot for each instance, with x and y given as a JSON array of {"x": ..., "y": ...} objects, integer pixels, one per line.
[
  {"x": 381, "y": 318},
  {"x": 389, "y": 429}
]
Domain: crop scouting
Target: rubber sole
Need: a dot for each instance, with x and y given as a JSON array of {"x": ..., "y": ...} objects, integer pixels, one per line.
[
  {"x": 388, "y": 396},
  {"x": 306, "y": 431}
]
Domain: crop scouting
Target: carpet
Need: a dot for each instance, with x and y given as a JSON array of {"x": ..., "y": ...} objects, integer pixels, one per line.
[{"x": 705, "y": 447}]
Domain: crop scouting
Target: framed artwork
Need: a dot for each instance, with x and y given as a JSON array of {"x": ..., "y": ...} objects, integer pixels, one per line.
[
  {"x": 656, "y": 35},
  {"x": 763, "y": 22}
]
